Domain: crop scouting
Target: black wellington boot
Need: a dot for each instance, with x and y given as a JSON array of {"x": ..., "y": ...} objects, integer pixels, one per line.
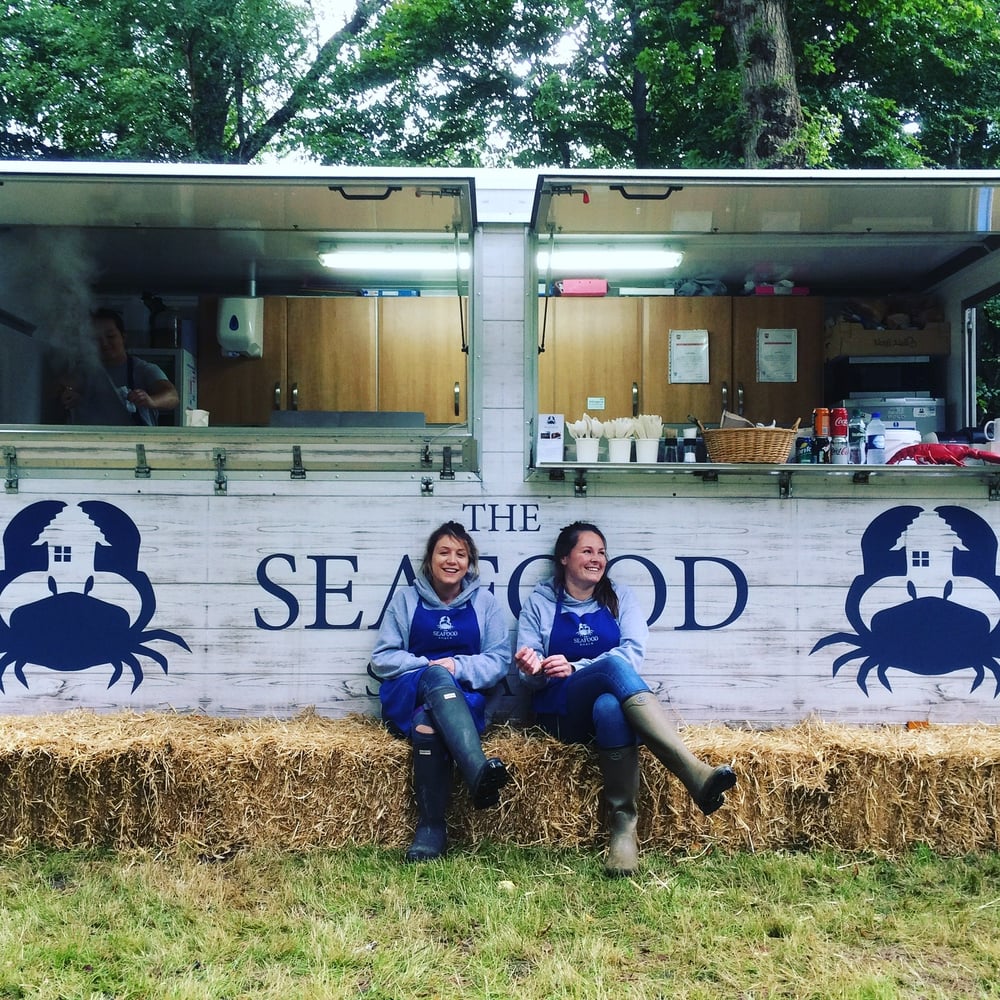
[
  {"x": 432, "y": 790},
  {"x": 620, "y": 768},
  {"x": 705, "y": 784},
  {"x": 453, "y": 721}
]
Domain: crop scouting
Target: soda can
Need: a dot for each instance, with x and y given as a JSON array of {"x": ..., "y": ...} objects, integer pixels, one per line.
[
  {"x": 838, "y": 422},
  {"x": 821, "y": 450},
  {"x": 804, "y": 450},
  {"x": 821, "y": 422},
  {"x": 839, "y": 451}
]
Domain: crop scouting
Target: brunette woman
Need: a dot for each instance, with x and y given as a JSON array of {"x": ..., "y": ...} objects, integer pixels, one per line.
[
  {"x": 442, "y": 643},
  {"x": 581, "y": 639}
]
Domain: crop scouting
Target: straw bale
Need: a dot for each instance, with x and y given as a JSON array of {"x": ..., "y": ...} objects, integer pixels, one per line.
[{"x": 162, "y": 780}]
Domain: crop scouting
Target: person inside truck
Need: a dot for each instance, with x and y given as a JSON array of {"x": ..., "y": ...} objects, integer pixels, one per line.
[
  {"x": 581, "y": 638},
  {"x": 442, "y": 644},
  {"x": 121, "y": 388}
]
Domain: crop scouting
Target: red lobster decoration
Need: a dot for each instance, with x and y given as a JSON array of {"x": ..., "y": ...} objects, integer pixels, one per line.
[{"x": 942, "y": 454}]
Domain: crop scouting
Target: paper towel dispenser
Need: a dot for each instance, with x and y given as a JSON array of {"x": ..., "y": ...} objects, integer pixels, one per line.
[{"x": 241, "y": 326}]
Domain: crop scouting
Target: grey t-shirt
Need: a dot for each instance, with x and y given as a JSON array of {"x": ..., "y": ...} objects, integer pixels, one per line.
[{"x": 105, "y": 390}]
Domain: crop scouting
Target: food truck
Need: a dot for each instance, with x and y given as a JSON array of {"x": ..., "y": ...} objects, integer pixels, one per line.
[{"x": 364, "y": 353}]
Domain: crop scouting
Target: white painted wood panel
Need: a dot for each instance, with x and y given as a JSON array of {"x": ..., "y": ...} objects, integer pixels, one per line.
[{"x": 278, "y": 596}]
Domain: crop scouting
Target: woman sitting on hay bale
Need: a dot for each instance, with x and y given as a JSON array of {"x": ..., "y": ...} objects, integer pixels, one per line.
[
  {"x": 443, "y": 641},
  {"x": 581, "y": 640}
]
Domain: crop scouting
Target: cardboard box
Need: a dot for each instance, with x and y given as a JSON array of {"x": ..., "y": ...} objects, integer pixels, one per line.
[{"x": 844, "y": 339}]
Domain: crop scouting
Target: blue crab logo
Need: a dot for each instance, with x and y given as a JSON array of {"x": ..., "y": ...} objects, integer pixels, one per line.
[
  {"x": 928, "y": 601},
  {"x": 71, "y": 593}
]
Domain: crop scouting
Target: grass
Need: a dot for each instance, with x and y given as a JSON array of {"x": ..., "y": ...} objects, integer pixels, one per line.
[{"x": 496, "y": 923}]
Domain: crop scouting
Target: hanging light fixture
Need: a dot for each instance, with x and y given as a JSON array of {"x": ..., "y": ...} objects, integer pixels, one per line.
[{"x": 601, "y": 257}]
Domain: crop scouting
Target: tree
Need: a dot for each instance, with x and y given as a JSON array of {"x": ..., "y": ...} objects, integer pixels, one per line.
[{"x": 773, "y": 120}]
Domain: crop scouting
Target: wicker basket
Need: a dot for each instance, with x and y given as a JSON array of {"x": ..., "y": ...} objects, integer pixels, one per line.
[{"x": 750, "y": 444}]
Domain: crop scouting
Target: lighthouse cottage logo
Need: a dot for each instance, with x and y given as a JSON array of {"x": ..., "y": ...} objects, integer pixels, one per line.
[
  {"x": 72, "y": 595},
  {"x": 927, "y": 600}
]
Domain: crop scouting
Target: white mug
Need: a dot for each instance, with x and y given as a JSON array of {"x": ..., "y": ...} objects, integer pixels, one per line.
[{"x": 989, "y": 429}]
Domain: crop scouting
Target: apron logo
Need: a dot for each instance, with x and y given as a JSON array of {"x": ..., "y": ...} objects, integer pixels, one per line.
[
  {"x": 928, "y": 599},
  {"x": 445, "y": 629},
  {"x": 67, "y": 573}
]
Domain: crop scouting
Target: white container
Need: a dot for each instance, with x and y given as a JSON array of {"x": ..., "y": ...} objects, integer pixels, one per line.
[
  {"x": 586, "y": 449},
  {"x": 647, "y": 450},
  {"x": 619, "y": 450},
  {"x": 241, "y": 327}
]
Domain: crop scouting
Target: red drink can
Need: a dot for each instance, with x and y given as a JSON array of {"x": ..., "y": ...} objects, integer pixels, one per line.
[
  {"x": 838, "y": 422},
  {"x": 821, "y": 422}
]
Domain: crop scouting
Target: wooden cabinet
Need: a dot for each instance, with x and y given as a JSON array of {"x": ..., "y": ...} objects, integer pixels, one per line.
[
  {"x": 338, "y": 354},
  {"x": 785, "y": 402},
  {"x": 675, "y": 400},
  {"x": 592, "y": 349},
  {"x": 421, "y": 365},
  {"x": 600, "y": 347}
]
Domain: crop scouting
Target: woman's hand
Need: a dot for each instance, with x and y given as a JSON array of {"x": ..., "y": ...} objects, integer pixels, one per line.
[
  {"x": 447, "y": 662},
  {"x": 528, "y": 661},
  {"x": 557, "y": 666}
]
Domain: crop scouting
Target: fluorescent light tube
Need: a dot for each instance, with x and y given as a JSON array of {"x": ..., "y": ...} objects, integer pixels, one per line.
[
  {"x": 609, "y": 258},
  {"x": 395, "y": 258}
]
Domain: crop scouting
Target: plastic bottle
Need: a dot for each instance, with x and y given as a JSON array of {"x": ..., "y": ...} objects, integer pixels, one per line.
[
  {"x": 856, "y": 432},
  {"x": 876, "y": 441}
]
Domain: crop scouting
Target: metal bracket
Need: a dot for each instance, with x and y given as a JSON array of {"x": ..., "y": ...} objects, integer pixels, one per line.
[
  {"x": 708, "y": 476},
  {"x": 298, "y": 469},
  {"x": 142, "y": 470},
  {"x": 580, "y": 484},
  {"x": 784, "y": 484},
  {"x": 425, "y": 457},
  {"x": 994, "y": 488},
  {"x": 860, "y": 477},
  {"x": 557, "y": 475},
  {"x": 10, "y": 459},
  {"x": 447, "y": 472},
  {"x": 427, "y": 487},
  {"x": 221, "y": 484}
]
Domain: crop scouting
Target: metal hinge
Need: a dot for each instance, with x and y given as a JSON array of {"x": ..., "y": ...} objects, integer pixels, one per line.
[
  {"x": 10, "y": 460},
  {"x": 298, "y": 469},
  {"x": 994, "y": 488},
  {"x": 219, "y": 457},
  {"x": 447, "y": 472},
  {"x": 142, "y": 470},
  {"x": 580, "y": 483},
  {"x": 784, "y": 485},
  {"x": 427, "y": 487}
]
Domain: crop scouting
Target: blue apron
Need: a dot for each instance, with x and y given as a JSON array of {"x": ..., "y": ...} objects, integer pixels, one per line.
[
  {"x": 434, "y": 633},
  {"x": 577, "y": 637}
]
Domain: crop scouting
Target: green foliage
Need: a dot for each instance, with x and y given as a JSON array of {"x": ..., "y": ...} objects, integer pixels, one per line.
[
  {"x": 988, "y": 361},
  {"x": 883, "y": 83}
]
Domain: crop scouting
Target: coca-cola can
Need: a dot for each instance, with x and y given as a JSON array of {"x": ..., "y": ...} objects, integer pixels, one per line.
[
  {"x": 839, "y": 451},
  {"x": 838, "y": 421},
  {"x": 821, "y": 422}
]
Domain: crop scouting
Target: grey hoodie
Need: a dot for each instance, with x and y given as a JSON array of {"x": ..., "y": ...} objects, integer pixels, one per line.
[{"x": 477, "y": 672}]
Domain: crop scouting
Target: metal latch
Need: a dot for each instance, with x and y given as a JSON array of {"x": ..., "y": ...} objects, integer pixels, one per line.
[
  {"x": 298, "y": 469},
  {"x": 219, "y": 457},
  {"x": 142, "y": 470},
  {"x": 994, "y": 488},
  {"x": 784, "y": 484},
  {"x": 10, "y": 460},
  {"x": 447, "y": 472}
]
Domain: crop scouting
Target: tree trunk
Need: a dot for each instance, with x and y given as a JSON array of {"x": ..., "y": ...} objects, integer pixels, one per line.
[{"x": 774, "y": 123}]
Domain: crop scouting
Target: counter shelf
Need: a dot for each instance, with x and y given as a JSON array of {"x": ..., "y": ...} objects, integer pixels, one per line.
[
  {"x": 216, "y": 453},
  {"x": 820, "y": 481}
]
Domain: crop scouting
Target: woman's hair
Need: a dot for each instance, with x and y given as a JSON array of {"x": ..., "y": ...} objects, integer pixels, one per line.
[
  {"x": 450, "y": 529},
  {"x": 604, "y": 592}
]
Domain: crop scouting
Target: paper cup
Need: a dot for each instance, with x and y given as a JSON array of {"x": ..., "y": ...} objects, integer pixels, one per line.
[
  {"x": 619, "y": 449},
  {"x": 646, "y": 450},
  {"x": 586, "y": 449}
]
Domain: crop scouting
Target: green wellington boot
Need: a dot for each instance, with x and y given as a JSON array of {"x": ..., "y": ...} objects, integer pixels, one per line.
[
  {"x": 706, "y": 785},
  {"x": 432, "y": 790},
  {"x": 620, "y": 768}
]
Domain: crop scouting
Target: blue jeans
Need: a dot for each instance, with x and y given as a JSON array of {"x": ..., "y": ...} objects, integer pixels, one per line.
[{"x": 594, "y": 697}]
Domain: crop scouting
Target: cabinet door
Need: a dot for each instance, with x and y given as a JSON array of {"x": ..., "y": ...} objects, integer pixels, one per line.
[
  {"x": 420, "y": 357},
  {"x": 781, "y": 401},
  {"x": 241, "y": 391},
  {"x": 331, "y": 354},
  {"x": 592, "y": 350},
  {"x": 675, "y": 400}
]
